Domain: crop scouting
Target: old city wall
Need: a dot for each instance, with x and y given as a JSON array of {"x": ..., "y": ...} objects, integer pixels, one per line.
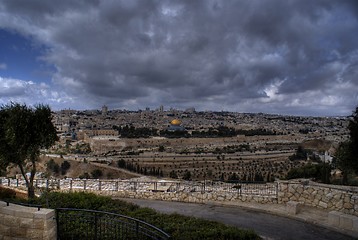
[{"x": 19, "y": 222}]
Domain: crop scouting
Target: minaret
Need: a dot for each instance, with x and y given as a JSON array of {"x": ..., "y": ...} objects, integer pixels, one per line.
[{"x": 104, "y": 110}]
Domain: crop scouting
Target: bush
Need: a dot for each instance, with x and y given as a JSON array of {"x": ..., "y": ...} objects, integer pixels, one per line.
[
  {"x": 6, "y": 193},
  {"x": 64, "y": 167},
  {"x": 320, "y": 172},
  {"x": 84, "y": 175},
  {"x": 301, "y": 154},
  {"x": 187, "y": 175},
  {"x": 97, "y": 173},
  {"x": 53, "y": 166},
  {"x": 178, "y": 226}
]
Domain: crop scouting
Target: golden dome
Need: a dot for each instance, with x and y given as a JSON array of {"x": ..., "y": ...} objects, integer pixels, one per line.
[{"x": 175, "y": 122}]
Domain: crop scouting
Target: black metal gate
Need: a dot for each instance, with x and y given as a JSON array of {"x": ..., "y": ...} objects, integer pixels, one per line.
[{"x": 89, "y": 224}]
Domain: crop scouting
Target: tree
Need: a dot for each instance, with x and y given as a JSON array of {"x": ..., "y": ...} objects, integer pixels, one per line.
[
  {"x": 161, "y": 148},
  {"x": 347, "y": 153},
  {"x": 53, "y": 166},
  {"x": 173, "y": 174},
  {"x": 353, "y": 143},
  {"x": 24, "y": 131},
  {"x": 343, "y": 160},
  {"x": 187, "y": 175},
  {"x": 97, "y": 173},
  {"x": 64, "y": 167},
  {"x": 121, "y": 163}
]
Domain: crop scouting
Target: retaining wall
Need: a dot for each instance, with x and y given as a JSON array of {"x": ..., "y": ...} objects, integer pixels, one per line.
[
  {"x": 324, "y": 196},
  {"x": 20, "y": 223},
  {"x": 330, "y": 197}
]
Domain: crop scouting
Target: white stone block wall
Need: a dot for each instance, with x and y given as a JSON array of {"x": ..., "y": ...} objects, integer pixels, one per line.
[
  {"x": 324, "y": 196},
  {"x": 333, "y": 198},
  {"x": 19, "y": 222}
]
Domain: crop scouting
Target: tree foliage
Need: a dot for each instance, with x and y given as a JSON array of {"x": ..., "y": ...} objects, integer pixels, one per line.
[
  {"x": 177, "y": 226},
  {"x": 97, "y": 173},
  {"x": 301, "y": 154},
  {"x": 53, "y": 166},
  {"x": 23, "y": 132},
  {"x": 353, "y": 143},
  {"x": 343, "y": 160},
  {"x": 347, "y": 153},
  {"x": 64, "y": 167},
  {"x": 319, "y": 172}
]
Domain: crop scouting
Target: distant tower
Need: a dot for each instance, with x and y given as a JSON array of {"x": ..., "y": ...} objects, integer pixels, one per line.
[
  {"x": 161, "y": 108},
  {"x": 104, "y": 110}
]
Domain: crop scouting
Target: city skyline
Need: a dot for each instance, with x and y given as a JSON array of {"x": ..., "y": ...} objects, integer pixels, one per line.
[{"x": 239, "y": 56}]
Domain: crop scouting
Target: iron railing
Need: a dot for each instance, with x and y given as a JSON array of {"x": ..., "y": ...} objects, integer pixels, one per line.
[
  {"x": 89, "y": 224},
  {"x": 23, "y": 204}
]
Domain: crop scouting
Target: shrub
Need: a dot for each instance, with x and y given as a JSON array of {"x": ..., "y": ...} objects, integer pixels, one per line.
[
  {"x": 320, "y": 172},
  {"x": 178, "y": 226},
  {"x": 97, "y": 173},
  {"x": 6, "y": 193},
  {"x": 64, "y": 167},
  {"x": 53, "y": 166}
]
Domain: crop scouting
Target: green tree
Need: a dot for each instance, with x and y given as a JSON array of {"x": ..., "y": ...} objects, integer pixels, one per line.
[
  {"x": 23, "y": 132},
  {"x": 187, "y": 175},
  {"x": 173, "y": 174},
  {"x": 347, "y": 153},
  {"x": 343, "y": 160},
  {"x": 85, "y": 175},
  {"x": 121, "y": 163},
  {"x": 64, "y": 167},
  {"x": 97, "y": 173},
  {"x": 53, "y": 166},
  {"x": 161, "y": 148},
  {"x": 353, "y": 143}
]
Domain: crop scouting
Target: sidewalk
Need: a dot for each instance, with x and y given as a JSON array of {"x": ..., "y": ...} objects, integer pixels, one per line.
[{"x": 306, "y": 214}]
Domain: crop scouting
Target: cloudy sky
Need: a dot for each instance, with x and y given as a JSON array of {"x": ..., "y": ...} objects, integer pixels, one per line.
[{"x": 280, "y": 56}]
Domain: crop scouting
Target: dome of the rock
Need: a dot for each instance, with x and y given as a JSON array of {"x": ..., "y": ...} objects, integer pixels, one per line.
[{"x": 176, "y": 122}]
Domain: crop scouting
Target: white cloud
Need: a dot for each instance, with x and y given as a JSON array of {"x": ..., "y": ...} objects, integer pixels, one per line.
[
  {"x": 15, "y": 90},
  {"x": 229, "y": 54}
]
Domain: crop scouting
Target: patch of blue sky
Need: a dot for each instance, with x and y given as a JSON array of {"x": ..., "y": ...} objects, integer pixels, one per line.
[{"x": 20, "y": 58}]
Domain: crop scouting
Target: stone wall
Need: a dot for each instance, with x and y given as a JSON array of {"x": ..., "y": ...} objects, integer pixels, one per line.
[
  {"x": 20, "y": 223},
  {"x": 190, "y": 197},
  {"x": 323, "y": 196},
  {"x": 330, "y": 197}
]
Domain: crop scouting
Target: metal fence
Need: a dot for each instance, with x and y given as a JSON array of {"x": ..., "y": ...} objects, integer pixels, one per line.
[
  {"x": 89, "y": 224},
  {"x": 242, "y": 188}
]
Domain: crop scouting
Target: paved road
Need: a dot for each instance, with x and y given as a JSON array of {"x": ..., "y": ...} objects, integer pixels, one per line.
[{"x": 266, "y": 225}]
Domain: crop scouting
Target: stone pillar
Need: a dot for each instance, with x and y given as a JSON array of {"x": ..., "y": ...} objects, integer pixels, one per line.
[{"x": 19, "y": 222}]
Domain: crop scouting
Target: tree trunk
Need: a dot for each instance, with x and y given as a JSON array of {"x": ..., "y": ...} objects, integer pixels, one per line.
[
  {"x": 30, "y": 191},
  {"x": 26, "y": 180},
  {"x": 345, "y": 178},
  {"x": 29, "y": 181},
  {"x": 30, "y": 188}
]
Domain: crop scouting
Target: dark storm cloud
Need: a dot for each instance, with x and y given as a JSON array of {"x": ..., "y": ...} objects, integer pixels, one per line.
[{"x": 236, "y": 55}]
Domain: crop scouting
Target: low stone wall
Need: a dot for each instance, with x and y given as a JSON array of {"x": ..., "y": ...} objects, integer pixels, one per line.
[
  {"x": 343, "y": 221},
  {"x": 331, "y": 197},
  {"x": 190, "y": 197},
  {"x": 19, "y": 222}
]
